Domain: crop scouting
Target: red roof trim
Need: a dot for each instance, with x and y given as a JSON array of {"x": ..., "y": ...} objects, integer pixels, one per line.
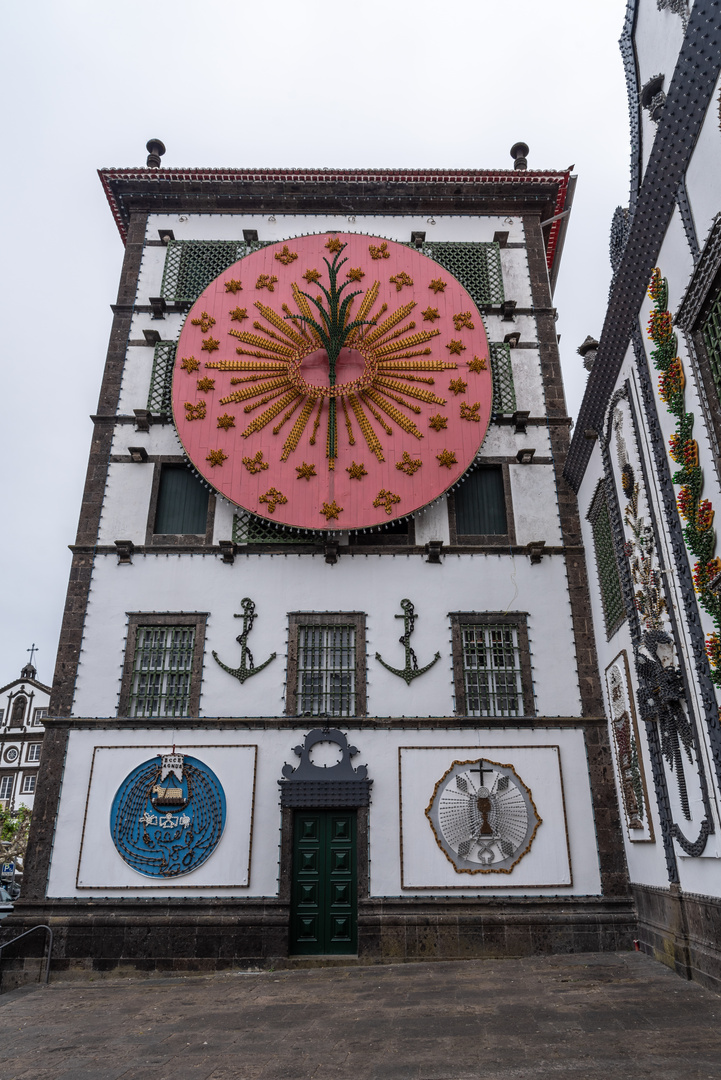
[{"x": 334, "y": 176}]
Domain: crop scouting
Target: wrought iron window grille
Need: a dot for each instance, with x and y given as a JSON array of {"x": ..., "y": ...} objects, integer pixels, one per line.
[
  {"x": 492, "y": 670},
  {"x": 161, "y": 379},
  {"x": 249, "y": 529},
  {"x": 326, "y": 670},
  {"x": 162, "y": 671},
  {"x": 504, "y": 391},
  {"x": 191, "y": 265}
]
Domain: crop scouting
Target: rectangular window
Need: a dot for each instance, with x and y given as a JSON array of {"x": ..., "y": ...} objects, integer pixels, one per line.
[
  {"x": 504, "y": 391},
  {"x": 182, "y": 506},
  {"x": 614, "y": 613},
  {"x": 38, "y": 716},
  {"x": 6, "y": 787},
  {"x": 163, "y": 665},
  {"x": 34, "y": 751},
  {"x": 480, "y": 504},
  {"x": 492, "y": 666},
  {"x": 29, "y": 784},
  {"x": 326, "y": 664}
]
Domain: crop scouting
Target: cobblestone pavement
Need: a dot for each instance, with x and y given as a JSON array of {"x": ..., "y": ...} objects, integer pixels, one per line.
[{"x": 583, "y": 1016}]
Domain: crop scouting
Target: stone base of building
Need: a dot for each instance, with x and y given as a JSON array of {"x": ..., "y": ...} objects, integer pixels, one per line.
[
  {"x": 135, "y": 937},
  {"x": 682, "y": 930}
]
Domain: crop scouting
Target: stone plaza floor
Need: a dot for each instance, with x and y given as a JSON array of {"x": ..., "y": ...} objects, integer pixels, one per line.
[{"x": 584, "y": 1016}]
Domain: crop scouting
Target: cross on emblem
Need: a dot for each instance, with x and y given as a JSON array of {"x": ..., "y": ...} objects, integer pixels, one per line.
[{"x": 481, "y": 771}]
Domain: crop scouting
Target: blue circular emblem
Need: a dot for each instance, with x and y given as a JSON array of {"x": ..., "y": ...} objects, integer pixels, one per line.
[{"x": 168, "y": 816}]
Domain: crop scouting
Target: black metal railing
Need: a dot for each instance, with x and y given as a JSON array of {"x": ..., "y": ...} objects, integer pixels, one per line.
[{"x": 40, "y": 926}]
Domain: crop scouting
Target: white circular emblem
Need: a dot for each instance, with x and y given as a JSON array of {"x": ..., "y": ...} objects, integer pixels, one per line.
[{"x": 483, "y": 817}]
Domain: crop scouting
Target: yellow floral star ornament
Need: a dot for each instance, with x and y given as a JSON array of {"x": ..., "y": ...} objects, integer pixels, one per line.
[
  {"x": 190, "y": 364},
  {"x": 305, "y": 471},
  {"x": 456, "y": 346},
  {"x": 216, "y": 457},
  {"x": 438, "y": 422},
  {"x": 447, "y": 458},
  {"x": 334, "y": 244},
  {"x": 471, "y": 412},
  {"x": 226, "y": 421},
  {"x": 355, "y": 274},
  {"x": 311, "y": 276},
  {"x": 477, "y": 364},
  {"x": 381, "y": 252},
  {"x": 205, "y": 384},
  {"x": 233, "y": 286},
  {"x": 195, "y": 412},
  {"x": 437, "y": 285},
  {"x": 460, "y": 321},
  {"x": 458, "y": 386},
  {"x": 331, "y": 510},
  {"x": 430, "y": 314},
  {"x": 211, "y": 344},
  {"x": 238, "y": 314},
  {"x": 399, "y": 280},
  {"x": 356, "y": 472}
]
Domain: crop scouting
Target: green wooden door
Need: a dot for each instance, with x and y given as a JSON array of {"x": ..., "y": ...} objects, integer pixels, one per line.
[{"x": 324, "y": 892}]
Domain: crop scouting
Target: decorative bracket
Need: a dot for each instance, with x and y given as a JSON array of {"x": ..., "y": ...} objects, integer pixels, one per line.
[
  {"x": 411, "y": 671},
  {"x": 247, "y": 666},
  {"x": 125, "y": 549}
]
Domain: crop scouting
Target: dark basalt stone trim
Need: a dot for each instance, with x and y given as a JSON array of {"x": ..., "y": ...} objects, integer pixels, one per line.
[
  {"x": 318, "y": 548},
  {"x": 682, "y": 930},
  {"x": 349, "y": 723},
  {"x": 52, "y": 762},
  {"x": 630, "y": 66},
  {"x": 611, "y": 855},
  {"x": 216, "y": 934},
  {"x": 689, "y": 226},
  {"x": 682, "y": 567},
  {"x": 688, "y": 98}
]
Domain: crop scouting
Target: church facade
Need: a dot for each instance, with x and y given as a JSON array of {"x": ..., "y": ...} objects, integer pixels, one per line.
[
  {"x": 645, "y": 462},
  {"x": 327, "y": 681}
]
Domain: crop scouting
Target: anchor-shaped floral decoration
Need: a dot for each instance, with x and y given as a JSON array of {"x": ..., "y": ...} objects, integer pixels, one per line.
[
  {"x": 411, "y": 671},
  {"x": 247, "y": 666}
]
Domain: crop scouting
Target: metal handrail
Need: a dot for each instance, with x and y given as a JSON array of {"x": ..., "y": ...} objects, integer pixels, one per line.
[{"x": 40, "y": 926}]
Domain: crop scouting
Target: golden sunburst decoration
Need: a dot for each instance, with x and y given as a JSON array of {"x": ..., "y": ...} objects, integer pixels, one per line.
[{"x": 392, "y": 348}]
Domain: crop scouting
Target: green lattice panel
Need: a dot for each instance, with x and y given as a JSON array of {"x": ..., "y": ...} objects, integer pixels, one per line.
[
  {"x": 608, "y": 579},
  {"x": 161, "y": 379},
  {"x": 191, "y": 265},
  {"x": 504, "y": 392},
  {"x": 711, "y": 331},
  {"x": 249, "y": 529},
  {"x": 477, "y": 266}
]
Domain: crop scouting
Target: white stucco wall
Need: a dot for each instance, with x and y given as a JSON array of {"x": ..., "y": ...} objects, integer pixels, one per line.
[{"x": 556, "y": 773}]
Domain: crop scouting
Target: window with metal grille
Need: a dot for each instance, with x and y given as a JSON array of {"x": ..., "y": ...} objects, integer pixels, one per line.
[
  {"x": 711, "y": 333},
  {"x": 182, "y": 502},
  {"x": 476, "y": 265},
  {"x": 480, "y": 503},
  {"x": 504, "y": 391},
  {"x": 161, "y": 379},
  {"x": 326, "y": 670},
  {"x": 6, "y": 787},
  {"x": 492, "y": 664},
  {"x": 249, "y": 529},
  {"x": 614, "y": 613},
  {"x": 492, "y": 670},
  {"x": 191, "y": 265},
  {"x": 162, "y": 671},
  {"x": 29, "y": 785},
  {"x": 34, "y": 751}
]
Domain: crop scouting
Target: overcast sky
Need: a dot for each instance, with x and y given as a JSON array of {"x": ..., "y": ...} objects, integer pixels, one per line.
[{"x": 381, "y": 83}]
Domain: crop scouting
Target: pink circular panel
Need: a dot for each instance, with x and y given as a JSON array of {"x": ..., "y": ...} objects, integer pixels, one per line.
[{"x": 318, "y": 411}]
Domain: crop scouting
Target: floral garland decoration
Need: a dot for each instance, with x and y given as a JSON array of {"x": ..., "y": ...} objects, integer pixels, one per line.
[{"x": 697, "y": 513}]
